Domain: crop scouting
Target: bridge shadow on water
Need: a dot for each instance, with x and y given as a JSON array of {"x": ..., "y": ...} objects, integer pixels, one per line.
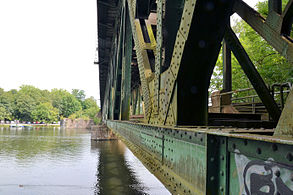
[{"x": 115, "y": 175}]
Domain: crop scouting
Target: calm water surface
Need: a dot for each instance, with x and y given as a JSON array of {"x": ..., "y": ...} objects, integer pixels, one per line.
[{"x": 58, "y": 161}]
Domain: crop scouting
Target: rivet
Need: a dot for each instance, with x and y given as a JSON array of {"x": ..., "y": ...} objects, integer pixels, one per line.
[
  {"x": 289, "y": 157},
  {"x": 274, "y": 147},
  {"x": 212, "y": 159},
  {"x": 222, "y": 189},
  {"x": 212, "y": 178},
  {"x": 222, "y": 173},
  {"x": 278, "y": 173}
]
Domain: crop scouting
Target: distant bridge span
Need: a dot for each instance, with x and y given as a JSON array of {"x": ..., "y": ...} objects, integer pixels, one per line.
[{"x": 156, "y": 59}]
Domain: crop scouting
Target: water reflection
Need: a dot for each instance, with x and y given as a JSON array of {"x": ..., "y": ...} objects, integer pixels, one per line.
[
  {"x": 58, "y": 161},
  {"x": 47, "y": 161},
  {"x": 120, "y": 172},
  {"x": 115, "y": 177}
]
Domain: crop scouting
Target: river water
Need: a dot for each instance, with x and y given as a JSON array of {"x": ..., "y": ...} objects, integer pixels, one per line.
[{"x": 60, "y": 161}]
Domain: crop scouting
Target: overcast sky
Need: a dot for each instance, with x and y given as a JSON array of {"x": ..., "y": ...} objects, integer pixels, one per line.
[{"x": 49, "y": 44}]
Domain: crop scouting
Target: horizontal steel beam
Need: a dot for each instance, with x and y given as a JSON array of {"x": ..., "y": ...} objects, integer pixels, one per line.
[{"x": 211, "y": 160}]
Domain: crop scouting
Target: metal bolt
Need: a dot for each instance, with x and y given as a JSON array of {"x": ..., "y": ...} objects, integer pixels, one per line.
[
  {"x": 222, "y": 173},
  {"x": 278, "y": 173},
  {"x": 212, "y": 178},
  {"x": 212, "y": 159},
  {"x": 274, "y": 147},
  {"x": 222, "y": 189},
  {"x": 289, "y": 157}
]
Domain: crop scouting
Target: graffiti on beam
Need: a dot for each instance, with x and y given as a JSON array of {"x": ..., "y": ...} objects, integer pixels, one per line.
[{"x": 263, "y": 177}]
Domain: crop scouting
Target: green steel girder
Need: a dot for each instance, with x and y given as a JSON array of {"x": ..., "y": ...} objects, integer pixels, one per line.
[
  {"x": 287, "y": 21},
  {"x": 209, "y": 161},
  {"x": 126, "y": 67},
  {"x": 201, "y": 49}
]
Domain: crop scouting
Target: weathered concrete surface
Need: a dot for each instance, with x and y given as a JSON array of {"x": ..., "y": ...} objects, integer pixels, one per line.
[
  {"x": 102, "y": 133},
  {"x": 77, "y": 124}
]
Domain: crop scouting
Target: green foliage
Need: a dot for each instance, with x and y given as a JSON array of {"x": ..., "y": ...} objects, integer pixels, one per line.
[
  {"x": 25, "y": 104},
  {"x": 97, "y": 120},
  {"x": 33, "y": 104},
  {"x": 45, "y": 112},
  {"x": 270, "y": 64},
  {"x": 69, "y": 105},
  {"x": 78, "y": 94},
  {"x": 4, "y": 114},
  {"x": 56, "y": 97}
]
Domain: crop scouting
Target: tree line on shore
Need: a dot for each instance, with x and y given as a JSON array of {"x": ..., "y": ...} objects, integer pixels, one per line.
[{"x": 32, "y": 104}]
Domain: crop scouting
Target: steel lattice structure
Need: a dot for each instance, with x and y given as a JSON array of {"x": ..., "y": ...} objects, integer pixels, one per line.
[{"x": 156, "y": 59}]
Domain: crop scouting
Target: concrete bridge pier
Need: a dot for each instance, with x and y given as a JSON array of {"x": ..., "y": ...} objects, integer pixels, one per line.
[{"x": 102, "y": 133}]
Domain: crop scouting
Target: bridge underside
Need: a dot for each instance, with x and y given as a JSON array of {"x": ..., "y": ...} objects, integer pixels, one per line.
[{"x": 156, "y": 59}]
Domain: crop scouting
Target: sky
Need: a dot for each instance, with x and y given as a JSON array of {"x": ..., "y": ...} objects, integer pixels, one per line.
[{"x": 50, "y": 44}]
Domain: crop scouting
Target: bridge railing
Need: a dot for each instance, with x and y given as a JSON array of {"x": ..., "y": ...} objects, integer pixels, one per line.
[{"x": 247, "y": 101}]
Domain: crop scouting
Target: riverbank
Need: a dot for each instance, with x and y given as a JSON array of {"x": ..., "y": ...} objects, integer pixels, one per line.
[{"x": 31, "y": 125}]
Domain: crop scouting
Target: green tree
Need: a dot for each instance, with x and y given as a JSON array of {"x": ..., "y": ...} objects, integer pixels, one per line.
[
  {"x": 7, "y": 100},
  {"x": 25, "y": 104},
  {"x": 89, "y": 103},
  {"x": 45, "y": 112},
  {"x": 78, "y": 94},
  {"x": 56, "y": 96},
  {"x": 28, "y": 97},
  {"x": 4, "y": 114},
  {"x": 270, "y": 64},
  {"x": 69, "y": 105}
]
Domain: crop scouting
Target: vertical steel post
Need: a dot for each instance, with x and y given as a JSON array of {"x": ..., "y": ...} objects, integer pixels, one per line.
[
  {"x": 118, "y": 69},
  {"x": 227, "y": 68},
  {"x": 276, "y": 6},
  {"x": 126, "y": 74}
]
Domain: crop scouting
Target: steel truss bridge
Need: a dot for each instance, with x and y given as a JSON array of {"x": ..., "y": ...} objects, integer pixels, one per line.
[{"x": 156, "y": 58}]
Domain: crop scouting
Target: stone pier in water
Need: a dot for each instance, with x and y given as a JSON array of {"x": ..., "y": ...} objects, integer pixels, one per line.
[{"x": 102, "y": 133}]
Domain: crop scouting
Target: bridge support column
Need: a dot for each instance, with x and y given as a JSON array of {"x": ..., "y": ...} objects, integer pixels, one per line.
[
  {"x": 126, "y": 68},
  {"x": 285, "y": 125}
]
